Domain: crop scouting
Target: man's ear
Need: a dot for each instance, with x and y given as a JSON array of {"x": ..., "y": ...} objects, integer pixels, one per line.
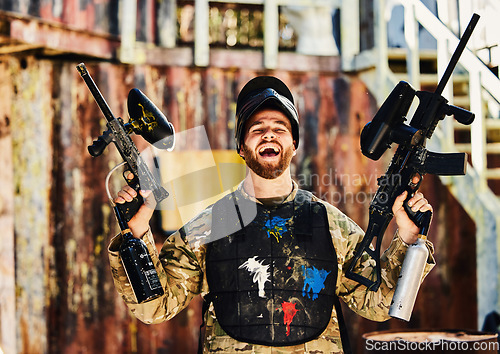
[
  {"x": 241, "y": 154},
  {"x": 294, "y": 149}
]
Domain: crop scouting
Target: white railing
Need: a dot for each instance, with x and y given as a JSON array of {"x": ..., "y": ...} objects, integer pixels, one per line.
[
  {"x": 480, "y": 77},
  {"x": 271, "y": 25},
  {"x": 131, "y": 51}
]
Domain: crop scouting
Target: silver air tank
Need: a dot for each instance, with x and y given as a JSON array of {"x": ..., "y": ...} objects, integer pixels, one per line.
[{"x": 410, "y": 277}]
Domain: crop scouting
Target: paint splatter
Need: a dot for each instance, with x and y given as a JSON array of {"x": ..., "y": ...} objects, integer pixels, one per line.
[
  {"x": 260, "y": 272},
  {"x": 314, "y": 281},
  {"x": 276, "y": 226},
  {"x": 289, "y": 312}
]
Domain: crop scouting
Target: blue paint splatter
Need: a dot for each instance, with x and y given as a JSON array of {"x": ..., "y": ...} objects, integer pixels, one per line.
[
  {"x": 276, "y": 226},
  {"x": 314, "y": 281}
]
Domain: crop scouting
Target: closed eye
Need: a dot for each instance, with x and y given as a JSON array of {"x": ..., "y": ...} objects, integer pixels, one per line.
[{"x": 257, "y": 130}]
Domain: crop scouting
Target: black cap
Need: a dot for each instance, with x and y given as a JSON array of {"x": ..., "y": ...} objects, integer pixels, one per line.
[{"x": 267, "y": 90}]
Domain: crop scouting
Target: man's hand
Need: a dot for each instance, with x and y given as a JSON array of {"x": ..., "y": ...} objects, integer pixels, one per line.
[
  {"x": 139, "y": 224},
  {"x": 408, "y": 231}
]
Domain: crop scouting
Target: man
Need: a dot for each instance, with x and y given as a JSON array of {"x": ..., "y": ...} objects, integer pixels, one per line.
[{"x": 273, "y": 269}]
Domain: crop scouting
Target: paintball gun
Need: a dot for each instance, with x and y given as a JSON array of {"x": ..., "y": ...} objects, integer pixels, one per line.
[
  {"x": 411, "y": 159},
  {"x": 149, "y": 122}
]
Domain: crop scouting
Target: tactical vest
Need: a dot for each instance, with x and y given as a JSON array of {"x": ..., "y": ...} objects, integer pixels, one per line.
[{"x": 272, "y": 280}]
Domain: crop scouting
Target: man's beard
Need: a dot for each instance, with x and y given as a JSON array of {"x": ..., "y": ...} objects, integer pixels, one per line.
[{"x": 268, "y": 170}]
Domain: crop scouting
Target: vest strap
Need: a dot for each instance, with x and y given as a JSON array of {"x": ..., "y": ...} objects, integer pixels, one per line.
[
  {"x": 302, "y": 214},
  {"x": 344, "y": 335}
]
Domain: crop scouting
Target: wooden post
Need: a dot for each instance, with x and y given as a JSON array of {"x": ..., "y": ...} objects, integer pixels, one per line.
[
  {"x": 271, "y": 34},
  {"x": 167, "y": 23},
  {"x": 412, "y": 45},
  {"x": 478, "y": 131},
  {"x": 349, "y": 41},
  {"x": 201, "y": 35},
  {"x": 128, "y": 28},
  {"x": 382, "y": 50}
]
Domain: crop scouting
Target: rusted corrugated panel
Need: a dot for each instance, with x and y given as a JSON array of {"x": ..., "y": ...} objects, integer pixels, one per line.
[
  {"x": 7, "y": 250},
  {"x": 454, "y": 236},
  {"x": 32, "y": 153},
  {"x": 219, "y": 97},
  {"x": 66, "y": 298},
  {"x": 79, "y": 213}
]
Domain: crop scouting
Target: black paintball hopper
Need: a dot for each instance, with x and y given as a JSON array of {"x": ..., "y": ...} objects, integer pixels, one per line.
[{"x": 149, "y": 122}]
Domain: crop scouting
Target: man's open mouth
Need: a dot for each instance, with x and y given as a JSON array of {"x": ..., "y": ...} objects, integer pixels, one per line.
[{"x": 269, "y": 151}]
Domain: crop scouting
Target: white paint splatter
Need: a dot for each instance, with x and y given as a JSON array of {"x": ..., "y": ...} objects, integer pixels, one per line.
[{"x": 260, "y": 272}]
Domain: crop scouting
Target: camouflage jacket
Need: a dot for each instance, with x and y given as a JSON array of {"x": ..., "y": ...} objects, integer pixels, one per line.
[{"x": 181, "y": 268}]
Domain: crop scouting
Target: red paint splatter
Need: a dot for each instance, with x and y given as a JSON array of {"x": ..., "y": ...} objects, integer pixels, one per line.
[{"x": 289, "y": 311}]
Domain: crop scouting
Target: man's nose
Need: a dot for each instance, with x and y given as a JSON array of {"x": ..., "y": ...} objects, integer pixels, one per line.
[{"x": 268, "y": 134}]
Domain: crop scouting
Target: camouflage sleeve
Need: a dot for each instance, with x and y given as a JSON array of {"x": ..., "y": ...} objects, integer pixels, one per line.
[
  {"x": 179, "y": 270},
  {"x": 346, "y": 237}
]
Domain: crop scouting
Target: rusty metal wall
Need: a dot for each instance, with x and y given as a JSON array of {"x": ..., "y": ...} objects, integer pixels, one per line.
[{"x": 57, "y": 222}]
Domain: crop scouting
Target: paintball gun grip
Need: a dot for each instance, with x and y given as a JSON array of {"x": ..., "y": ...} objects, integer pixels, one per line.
[
  {"x": 412, "y": 187},
  {"x": 418, "y": 217},
  {"x": 129, "y": 209}
]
